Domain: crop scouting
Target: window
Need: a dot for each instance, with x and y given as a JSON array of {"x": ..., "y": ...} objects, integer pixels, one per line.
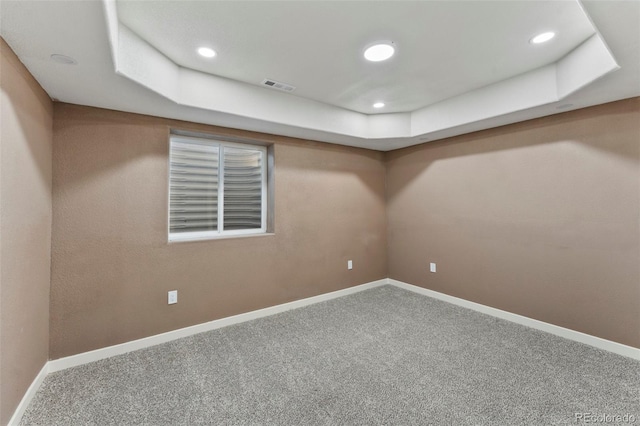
[{"x": 216, "y": 188}]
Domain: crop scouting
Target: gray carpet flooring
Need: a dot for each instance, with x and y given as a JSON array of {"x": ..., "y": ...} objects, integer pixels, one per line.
[{"x": 382, "y": 356}]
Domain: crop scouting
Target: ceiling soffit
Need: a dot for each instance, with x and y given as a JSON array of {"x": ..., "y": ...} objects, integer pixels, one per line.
[{"x": 138, "y": 60}]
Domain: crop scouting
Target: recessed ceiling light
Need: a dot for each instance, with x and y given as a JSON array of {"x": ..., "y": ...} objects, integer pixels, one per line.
[
  {"x": 63, "y": 59},
  {"x": 206, "y": 52},
  {"x": 541, "y": 38},
  {"x": 379, "y": 52},
  {"x": 378, "y": 105}
]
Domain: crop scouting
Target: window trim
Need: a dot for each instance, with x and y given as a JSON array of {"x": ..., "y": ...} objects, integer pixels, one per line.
[{"x": 220, "y": 233}]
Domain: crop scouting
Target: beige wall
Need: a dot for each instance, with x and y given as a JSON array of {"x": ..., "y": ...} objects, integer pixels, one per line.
[
  {"x": 112, "y": 266},
  {"x": 540, "y": 218},
  {"x": 25, "y": 229}
]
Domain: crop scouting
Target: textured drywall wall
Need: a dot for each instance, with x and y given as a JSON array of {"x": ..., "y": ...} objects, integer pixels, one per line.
[
  {"x": 540, "y": 218},
  {"x": 25, "y": 229},
  {"x": 112, "y": 265}
]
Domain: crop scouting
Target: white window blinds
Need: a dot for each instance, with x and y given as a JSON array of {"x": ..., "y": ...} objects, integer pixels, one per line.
[
  {"x": 193, "y": 187},
  {"x": 242, "y": 188},
  {"x": 215, "y": 188}
]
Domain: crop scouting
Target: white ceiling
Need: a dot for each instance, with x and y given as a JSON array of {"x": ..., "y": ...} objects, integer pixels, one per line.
[
  {"x": 444, "y": 49},
  {"x": 459, "y": 66}
]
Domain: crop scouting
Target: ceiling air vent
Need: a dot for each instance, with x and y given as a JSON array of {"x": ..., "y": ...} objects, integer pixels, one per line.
[{"x": 277, "y": 85}]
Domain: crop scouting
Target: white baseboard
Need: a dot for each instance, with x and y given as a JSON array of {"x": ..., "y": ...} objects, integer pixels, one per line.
[
  {"x": 28, "y": 396},
  {"x": 587, "y": 339},
  {"x": 98, "y": 354}
]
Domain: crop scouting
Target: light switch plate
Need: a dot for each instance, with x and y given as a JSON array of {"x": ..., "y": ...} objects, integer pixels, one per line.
[{"x": 173, "y": 297}]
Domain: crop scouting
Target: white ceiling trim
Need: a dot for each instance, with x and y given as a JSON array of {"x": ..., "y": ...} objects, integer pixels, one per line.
[
  {"x": 549, "y": 84},
  {"x": 137, "y": 60}
]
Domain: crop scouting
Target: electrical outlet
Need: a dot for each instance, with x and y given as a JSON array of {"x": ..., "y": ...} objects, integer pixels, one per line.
[
  {"x": 349, "y": 264},
  {"x": 173, "y": 297},
  {"x": 432, "y": 267}
]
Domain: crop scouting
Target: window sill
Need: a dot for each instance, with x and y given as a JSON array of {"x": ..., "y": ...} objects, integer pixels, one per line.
[{"x": 221, "y": 237}]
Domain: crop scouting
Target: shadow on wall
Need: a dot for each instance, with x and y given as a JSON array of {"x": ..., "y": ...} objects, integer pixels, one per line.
[
  {"x": 120, "y": 138},
  {"x": 418, "y": 158},
  {"x": 28, "y": 116},
  {"x": 365, "y": 166},
  {"x": 114, "y": 139}
]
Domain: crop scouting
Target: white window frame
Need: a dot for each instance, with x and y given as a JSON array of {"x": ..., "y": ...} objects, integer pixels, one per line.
[{"x": 219, "y": 232}]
